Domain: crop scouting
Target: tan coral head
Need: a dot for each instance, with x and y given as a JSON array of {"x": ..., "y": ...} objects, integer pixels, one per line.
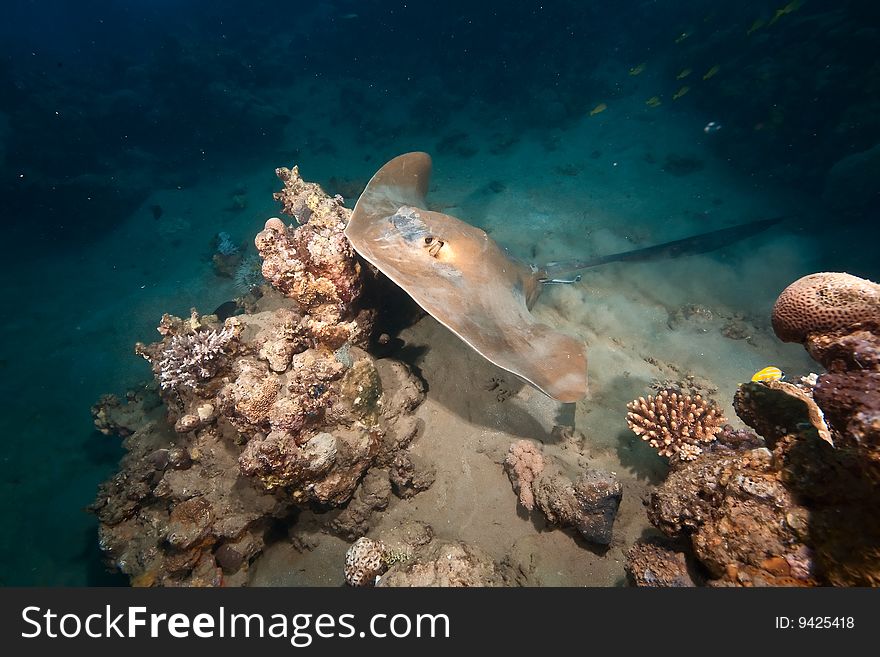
[
  {"x": 825, "y": 302},
  {"x": 463, "y": 279}
]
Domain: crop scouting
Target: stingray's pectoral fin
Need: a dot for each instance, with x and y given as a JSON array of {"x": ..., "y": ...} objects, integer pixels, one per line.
[{"x": 463, "y": 279}]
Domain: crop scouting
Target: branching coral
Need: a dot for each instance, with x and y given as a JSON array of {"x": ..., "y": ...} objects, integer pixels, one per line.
[
  {"x": 193, "y": 357},
  {"x": 675, "y": 423}
]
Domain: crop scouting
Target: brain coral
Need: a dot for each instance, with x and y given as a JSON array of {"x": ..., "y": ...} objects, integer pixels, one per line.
[
  {"x": 365, "y": 561},
  {"x": 824, "y": 302}
]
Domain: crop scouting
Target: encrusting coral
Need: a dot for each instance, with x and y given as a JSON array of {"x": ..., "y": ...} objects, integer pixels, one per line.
[
  {"x": 260, "y": 415},
  {"x": 674, "y": 423}
]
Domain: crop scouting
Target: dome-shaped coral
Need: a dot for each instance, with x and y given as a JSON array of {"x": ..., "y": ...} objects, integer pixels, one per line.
[
  {"x": 824, "y": 302},
  {"x": 365, "y": 561}
]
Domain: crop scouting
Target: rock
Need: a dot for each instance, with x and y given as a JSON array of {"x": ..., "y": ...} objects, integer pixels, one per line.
[
  {"x": 408, "y": 478},
  {"x": 372, "y": 495},
  {"x": 453, "y": 564},
  {"x": 589, "y": 504},
  {"x": 652, "y": 564},
  {"x": 187, "y": 423}
]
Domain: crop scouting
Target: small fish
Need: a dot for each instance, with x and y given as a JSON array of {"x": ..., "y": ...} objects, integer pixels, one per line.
[
  {"x": 790, "y": 8},
  {"x": 681, "y": 92},
  {"x": 768, "y": 374},
  {"x": 684, "y": 73},
  {"x": 653, "y": 101},
  {"x": 712, "y": 126},
  {"x": 712, "y": 72},
  {"x": 635, "y": 70},
  {"x": 598, "y": 109},
  {"x": 681, "y": 37},
  {"x": 757, "y": 25}
]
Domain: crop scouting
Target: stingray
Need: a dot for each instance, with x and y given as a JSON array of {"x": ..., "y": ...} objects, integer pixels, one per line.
[{"x": 472, "y": 286}]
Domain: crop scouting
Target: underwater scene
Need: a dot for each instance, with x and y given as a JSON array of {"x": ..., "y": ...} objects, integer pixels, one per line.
[{"x": 383, "y": 293}]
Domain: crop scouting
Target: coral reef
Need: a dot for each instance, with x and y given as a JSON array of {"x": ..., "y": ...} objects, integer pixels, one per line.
[
  {"x": 314, "y": 264},
  {"x": 675, "y": 424},
  {"x": 589, "y": 503},
  {"x": 112, "y": 417},
  {"x": 372, "y": 495},
  {"x": 409, "y": 477},
  {"x": 803, "y": 514},
  {"x": 259, "y": 416}
]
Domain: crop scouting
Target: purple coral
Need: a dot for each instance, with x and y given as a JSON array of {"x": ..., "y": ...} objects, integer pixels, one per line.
[{"x": 194, "y": 357}]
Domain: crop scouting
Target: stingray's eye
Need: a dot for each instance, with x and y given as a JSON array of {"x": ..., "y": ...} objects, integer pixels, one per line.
[
  {"x": 428, "y": 241},
  {"x": 435, "y": 247}
]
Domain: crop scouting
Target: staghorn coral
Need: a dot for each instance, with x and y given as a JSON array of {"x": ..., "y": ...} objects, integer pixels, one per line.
[
  {"x": 675, "y": 423},
  {"x": 191, "y": 358},
  {"x": 823, "y": 303}
]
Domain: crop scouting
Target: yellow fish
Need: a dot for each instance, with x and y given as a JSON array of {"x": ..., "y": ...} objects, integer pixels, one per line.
[
  {"x": 790, "y": 8},
  {"x": 681, "y": 92},
  {"x": 768, "y": 374},
  {"x": 598, "y": 109},
  {"x": 681, "y": 37},
  {"x": 653, "y": 101},
  {"x": 635, "y": 70},
  {"x": 684, "y": 73},
  {"x": 711, "y": 72},
  {"x": 757, "y": 25}
]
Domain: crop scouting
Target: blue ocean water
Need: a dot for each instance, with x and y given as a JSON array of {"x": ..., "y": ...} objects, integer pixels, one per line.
[{"x": 132, "y": 133}]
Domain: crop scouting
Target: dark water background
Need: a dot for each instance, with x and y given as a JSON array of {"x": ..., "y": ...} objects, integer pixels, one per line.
[{"x": 103, "y": 103}]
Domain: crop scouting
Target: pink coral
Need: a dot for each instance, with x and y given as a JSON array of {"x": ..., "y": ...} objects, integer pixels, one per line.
[{"x": 523, "y": 464}]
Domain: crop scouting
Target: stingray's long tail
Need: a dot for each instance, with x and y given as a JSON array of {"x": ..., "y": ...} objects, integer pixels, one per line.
[{"x": 701, "y": 243}]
